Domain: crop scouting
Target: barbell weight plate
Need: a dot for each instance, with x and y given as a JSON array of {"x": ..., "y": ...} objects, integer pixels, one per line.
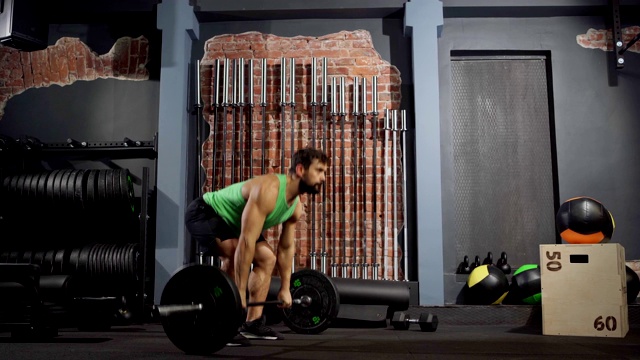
[
  {"x": 210, "y": 329},
  {"x": 42, "y": 187},
  {"x": 91, "y": 188},
  {"x": 325, "y": 302},
  {"x": 71, "y": 189},
  {"x": 102, "y": 185}
]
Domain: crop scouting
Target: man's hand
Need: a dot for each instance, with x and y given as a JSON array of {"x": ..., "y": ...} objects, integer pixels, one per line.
[{"x": 285, "y": 297}]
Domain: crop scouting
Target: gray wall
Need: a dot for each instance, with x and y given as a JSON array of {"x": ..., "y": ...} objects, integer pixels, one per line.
[{"x": 597, "y": 118}]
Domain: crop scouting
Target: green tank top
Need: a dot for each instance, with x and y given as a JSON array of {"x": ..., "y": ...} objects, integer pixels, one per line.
[{"x": 229, "y": 204}]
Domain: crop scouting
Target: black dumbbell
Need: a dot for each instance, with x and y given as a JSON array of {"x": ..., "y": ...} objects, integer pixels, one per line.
[{"x": 427, "y": 321}]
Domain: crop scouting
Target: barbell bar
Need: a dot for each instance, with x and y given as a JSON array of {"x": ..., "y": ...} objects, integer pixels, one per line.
[{"x": 168, "y": 310}]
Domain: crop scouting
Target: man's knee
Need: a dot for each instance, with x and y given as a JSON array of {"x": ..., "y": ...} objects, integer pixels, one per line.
[{"x": 265, "y": 258}]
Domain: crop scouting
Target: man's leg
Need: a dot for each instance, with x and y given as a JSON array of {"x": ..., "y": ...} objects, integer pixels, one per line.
[
  {"x": 226, "y": 250},
  {"x": 258, "y": 286},
  {"x": 264, "y": 262}
]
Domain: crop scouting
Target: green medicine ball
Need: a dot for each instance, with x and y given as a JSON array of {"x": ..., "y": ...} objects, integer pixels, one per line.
[
  {"x": 525, "y": 285},
  {"x": 486, "y": 285}
]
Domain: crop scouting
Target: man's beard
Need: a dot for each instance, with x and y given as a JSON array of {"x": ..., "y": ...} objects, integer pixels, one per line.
[{"x": 305, "y": 188}]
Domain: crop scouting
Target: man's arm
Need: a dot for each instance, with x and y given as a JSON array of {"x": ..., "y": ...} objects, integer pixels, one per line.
[
  {"x": 260, "y": 202},
  {"x": 287, "y": 249}
]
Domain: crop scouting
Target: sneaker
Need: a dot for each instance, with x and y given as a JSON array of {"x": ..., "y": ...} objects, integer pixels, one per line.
[
  {"x": 256, "y": 329},
  {"x": 239, "y": 340}
]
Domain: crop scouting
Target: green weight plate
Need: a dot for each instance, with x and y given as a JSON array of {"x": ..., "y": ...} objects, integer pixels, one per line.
[
  {"x": 126, "y": 188},
  {"x": 210, "y": 329},
  {"x": 324, "y": 307}
]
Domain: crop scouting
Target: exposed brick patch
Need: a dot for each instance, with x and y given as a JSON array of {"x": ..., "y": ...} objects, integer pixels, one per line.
[
  {"x": 603, "y": 39},
  {"x": 68, "y": 61},
  {"x": 349, "y": 54}
]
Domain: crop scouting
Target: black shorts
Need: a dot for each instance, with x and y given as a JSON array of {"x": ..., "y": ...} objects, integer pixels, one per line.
[{"x": 205, "y": 225}]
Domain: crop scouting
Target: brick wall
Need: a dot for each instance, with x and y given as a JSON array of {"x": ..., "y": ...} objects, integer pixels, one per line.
[
  {"x": 68, "y": 61},
  {"x": 603, "y": 39},
  {"x": 348, "y": 54}
]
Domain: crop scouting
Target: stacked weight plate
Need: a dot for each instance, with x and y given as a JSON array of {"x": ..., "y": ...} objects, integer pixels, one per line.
[
  {"x": 110, "y": 190},
  {"x": 79, "y": 225}
]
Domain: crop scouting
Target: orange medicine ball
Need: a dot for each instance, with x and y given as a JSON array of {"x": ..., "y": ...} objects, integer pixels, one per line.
[{"x": 584, "y": 220}]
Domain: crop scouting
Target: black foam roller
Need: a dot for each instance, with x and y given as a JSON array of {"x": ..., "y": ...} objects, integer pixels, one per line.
[{"x": 394, "y": 294}]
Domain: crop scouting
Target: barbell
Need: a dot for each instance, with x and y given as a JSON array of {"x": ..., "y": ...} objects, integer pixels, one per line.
[
  {"x": 169, "y": 310},
  {"x": 200, "y": 308}
]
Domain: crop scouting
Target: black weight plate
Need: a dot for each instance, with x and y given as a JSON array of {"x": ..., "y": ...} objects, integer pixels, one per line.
[
  {"x": 104, "y": 266},
  {"x": 83, "y": 259},
  {"x": 30, "y": 182},
  {"x": 210, "y": 329},
  {"x": 33, "y": 192},
  {"x": 51, "y": 184},
  {"x": 56, "y": 187},
  {"x": 102, "y": 185},
  {"x": 11, "y": 189},
  {"x": 42, "y": 187},
  {"x": 79, "y": 195},
  {"x": 129, "y": 258},
  {"x": 19, "y": 185},
  {"x": 135, "y": 261},
  {"x": 15, "y": 256},
  {"x": 108, "y": 185},
  {"x": 132, "y": 257},
  {"x": 118, "y": 261},
  {"x": 117, "y": 191},
  {"x": 111, "y": 260},
  {"x": 58, "y": 263},
  {"x": 94, "y": 261},
  {"x": 74, "y": 255},
  {"x": 38, "y": 258},
  {"x": 62, "y": 188},
  {"x": 126, "y": 261},
  {"x": 6, "y": 182},
  {"x": 70, "y": 189},
  {"x": 92, "y": 187},
  {"x": 324, "y": 307},
  {"x": 26, "y": 257},
  {"x": 47, "y": 263}
]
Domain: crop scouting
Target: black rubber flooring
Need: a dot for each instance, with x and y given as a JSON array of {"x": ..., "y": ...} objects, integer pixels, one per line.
[{"x": 148, "y": 341}]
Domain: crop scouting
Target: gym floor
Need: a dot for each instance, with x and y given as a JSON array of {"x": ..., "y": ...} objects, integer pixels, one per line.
[{"x": 148, "y": 341}]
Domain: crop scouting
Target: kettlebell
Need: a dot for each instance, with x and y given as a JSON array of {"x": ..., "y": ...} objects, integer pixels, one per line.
[
  {"x": 464, "y": 267},
  {"x": 503, "y": 265}
]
